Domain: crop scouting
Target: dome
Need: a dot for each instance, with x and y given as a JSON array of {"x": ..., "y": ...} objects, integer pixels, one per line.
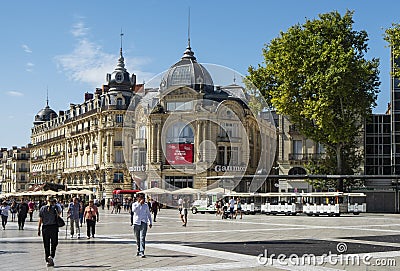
[
  {"x": 120, "y": 79},
  {"x": 187, "y": 72},
  {"x": 45, "y": 114}
]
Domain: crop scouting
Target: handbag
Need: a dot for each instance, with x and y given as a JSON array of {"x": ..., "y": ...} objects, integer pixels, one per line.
[{"x": 60, "y": 220}]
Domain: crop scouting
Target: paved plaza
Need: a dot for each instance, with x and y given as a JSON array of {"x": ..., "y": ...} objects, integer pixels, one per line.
[{"x": 367, "y": 242}]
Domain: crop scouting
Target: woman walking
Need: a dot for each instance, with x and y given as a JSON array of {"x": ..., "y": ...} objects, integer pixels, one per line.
[
  {"x": 91, "y": 216},
  {"x": 4, "y": 209}
]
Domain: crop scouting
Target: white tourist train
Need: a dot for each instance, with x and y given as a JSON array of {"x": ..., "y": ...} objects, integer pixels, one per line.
[
  {"x": 334, "y": 203},
  {"x": 316, "y": 203},
  {"x": 281, "y": 203}
]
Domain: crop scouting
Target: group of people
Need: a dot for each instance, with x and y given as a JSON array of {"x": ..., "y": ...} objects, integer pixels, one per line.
[
  {"x": 48, "y": 226},
  {"x": 222, "y": 207},
  {"x": 16, "y": 209},
  {"x": 78, "y": 213}
]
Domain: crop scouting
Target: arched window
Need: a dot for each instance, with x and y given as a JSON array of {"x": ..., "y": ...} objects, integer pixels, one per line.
[
  {"x": 297, "y": 171},
  {"x": 180, "y": 133}
]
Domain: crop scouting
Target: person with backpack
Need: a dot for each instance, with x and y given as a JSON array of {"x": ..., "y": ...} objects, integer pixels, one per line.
[{"x": 48, "y": 221}]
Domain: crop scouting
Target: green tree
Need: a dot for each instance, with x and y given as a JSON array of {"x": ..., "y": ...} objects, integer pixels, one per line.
[
  {"x": 318, "y": 76},
  {"x": 392, "y": 36}
]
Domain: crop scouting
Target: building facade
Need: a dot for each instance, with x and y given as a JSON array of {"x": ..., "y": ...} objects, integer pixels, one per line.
[
  {"x": 14, "y": 169},
  {"x": 189, "y": 130},
  {"x": 125, "y": 136},
  {"x": 82, "y": 147}
]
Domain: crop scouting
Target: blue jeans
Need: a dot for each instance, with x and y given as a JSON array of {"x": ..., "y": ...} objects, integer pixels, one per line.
[{"x": 140, "y": 233}]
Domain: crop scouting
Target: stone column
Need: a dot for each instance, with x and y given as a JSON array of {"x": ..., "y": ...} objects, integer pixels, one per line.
[{"x": 158, "y": 139}]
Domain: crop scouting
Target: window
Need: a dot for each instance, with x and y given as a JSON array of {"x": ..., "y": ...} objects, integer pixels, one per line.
[
  {"x": 298, "y": 146},
  {"x": 142, "y": 132},
  {"x": 180, "y": 133},
  {"x": 174, "y": 182},
  {"x": 320, "y": 148},
  {"x": 119, "y": 118},
  {"x": 229, "y": 130},
  {"x": 228, "y": 155},
  {"x": 119, "y": 102},
  {"x": 118, "y": 177},
  {"x": 139, "y": 156},
  {"x": 119, "y": 156},
  {"x": 180, "y": 106}
]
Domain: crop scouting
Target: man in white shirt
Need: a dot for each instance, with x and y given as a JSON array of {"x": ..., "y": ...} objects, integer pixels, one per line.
[
  {"x": 141, "y": 219},
  {"x": 232, "y": 203}
]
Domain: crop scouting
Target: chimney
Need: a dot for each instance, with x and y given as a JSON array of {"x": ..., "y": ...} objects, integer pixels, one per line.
[{"x": 88, "y": 96}]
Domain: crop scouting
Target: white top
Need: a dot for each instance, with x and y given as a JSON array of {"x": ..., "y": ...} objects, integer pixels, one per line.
[
  {"x": 232, "y": 203},
  {"x": 141, "y": 213},
  {"x": 4, "y": 210}
]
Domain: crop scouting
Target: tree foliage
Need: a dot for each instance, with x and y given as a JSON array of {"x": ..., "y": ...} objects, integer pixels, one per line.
[
  {"x": 318, "y": 76},
  {"x": 392, "y": 36}
]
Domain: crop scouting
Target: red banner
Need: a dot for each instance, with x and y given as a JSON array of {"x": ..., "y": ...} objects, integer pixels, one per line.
[{"x": 179, "y": 154}]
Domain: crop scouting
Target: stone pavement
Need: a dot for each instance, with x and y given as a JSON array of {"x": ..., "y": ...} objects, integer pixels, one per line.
[{"x": 368, "y": 242}]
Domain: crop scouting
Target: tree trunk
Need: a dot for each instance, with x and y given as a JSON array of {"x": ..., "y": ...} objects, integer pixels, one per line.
[{"x": 339, "y": 169}]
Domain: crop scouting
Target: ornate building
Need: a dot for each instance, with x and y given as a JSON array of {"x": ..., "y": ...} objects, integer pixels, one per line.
[
  {"x": 178, "y": 135},
  {"x": 14, "y": 169},
  {"x": 189, "y": 132},
  {"x": 82, "y": 146}
]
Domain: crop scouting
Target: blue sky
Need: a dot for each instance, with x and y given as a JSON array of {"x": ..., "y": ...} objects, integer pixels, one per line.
[{"x": 68, "y": 47}]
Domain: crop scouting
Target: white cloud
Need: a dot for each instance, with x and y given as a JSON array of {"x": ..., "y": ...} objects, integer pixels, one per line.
[
  {"x": 79, "y": 30},
  {"x": 29, "y": 67},
  {"x": 26, "y": 48},
  {"x": 14, "y": 93},
  {"x": 88, "y": 63}
]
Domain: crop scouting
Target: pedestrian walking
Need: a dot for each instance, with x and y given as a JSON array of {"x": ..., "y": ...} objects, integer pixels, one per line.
[
  {"x": 184, "y": 211},
  {"x": 73, "y": 215},
  {"x": 239, "y": 208},
  {"x": 22, "y": 214},
  {"x": 141, "y": 220},
  {"x": 4, "y": 210},
  {"x": 48, "y": 221},
  {"x": 81, "y": 210},
  {"x": 91, "y": 215},
  {"x": 31, "y": 209},
  {"x": 13, "y": 210},
  {"x": 155, "y": 207},
  {"x": 232, "y": 203}
]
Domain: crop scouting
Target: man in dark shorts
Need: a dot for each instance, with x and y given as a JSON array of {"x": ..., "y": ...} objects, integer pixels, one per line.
[{"x": 239, "y": 208}]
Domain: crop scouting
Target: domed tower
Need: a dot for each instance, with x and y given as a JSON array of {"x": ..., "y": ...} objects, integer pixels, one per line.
[
  {"x": 187, "y": 72},
  {"x": 45, "y": 114},
  {"x": 119, "y": 79}
]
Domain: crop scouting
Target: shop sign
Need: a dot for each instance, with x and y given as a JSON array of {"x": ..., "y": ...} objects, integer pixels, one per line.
[
  {"x": 179, "y": 153},
  {"x": 220, "y": 168},
  {"x": 138, "y": 168}
]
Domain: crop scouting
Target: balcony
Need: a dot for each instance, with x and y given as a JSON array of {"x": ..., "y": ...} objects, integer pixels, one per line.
[{"x": 304, "y": 157}]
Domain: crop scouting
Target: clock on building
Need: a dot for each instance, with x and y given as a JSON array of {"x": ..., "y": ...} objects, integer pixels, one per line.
[{"x": 119, "y": 77}]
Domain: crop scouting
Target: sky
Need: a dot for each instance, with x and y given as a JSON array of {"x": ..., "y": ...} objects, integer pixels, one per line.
[{"x": 66, "y": 48}]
